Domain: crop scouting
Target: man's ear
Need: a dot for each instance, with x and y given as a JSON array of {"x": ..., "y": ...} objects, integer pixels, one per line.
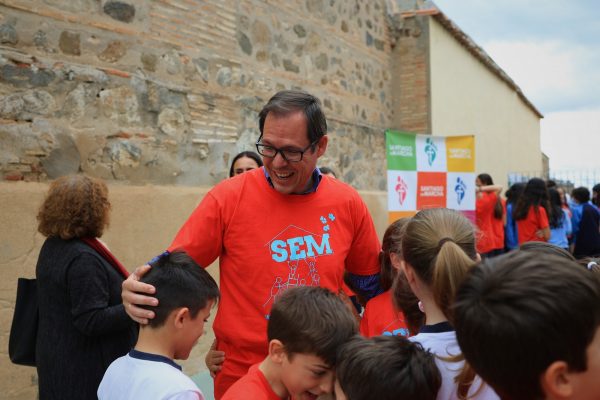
[
  {"x": 181, "y": 315},
  {"x": 556, "y": 381},
  {"x": 276, "y": 351},
  {"x": 322, "y": 145},
  {"x": 477, "y": 257}
]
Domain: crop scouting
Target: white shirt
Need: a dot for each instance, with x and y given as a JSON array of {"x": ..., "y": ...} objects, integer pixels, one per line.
[
  {"x": 139, "y": 375},
  {"x": 444, "y": 344}
]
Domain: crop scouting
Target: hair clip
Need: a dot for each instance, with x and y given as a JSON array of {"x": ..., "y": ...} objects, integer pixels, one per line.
[{"x": 591, "y": 264}]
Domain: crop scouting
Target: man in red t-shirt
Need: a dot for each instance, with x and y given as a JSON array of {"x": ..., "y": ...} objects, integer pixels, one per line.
[{"x": 273, "y": 228}]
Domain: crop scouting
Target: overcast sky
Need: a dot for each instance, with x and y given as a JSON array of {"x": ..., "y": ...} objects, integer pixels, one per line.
[{"x": 551, "y": 49}]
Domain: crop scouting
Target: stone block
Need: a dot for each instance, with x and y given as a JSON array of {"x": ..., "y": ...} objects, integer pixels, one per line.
[
  {"x": 113, "y": 52},
  {"x": 244, "y": 43},
  {"x": 64, "y": 159},
  {"x": 149, "y": 61},
  {"x": 120, "y": 104},
  {"x": 300, "y": 31},
  {"x": 70, "y": 43},
  {"x": 8, "y": 34},
  {"x": 119, "y": 10},
  {"x": 290, "y": 66},
  {"x": 224, "y": 76},
  {"x": 261, "y": 33},
  {"x": 171, "y": 122}
]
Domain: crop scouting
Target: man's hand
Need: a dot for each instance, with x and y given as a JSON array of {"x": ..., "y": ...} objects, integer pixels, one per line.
[
  {"x": 133, "y": 293},
  {"x": 214, "y": 359}
]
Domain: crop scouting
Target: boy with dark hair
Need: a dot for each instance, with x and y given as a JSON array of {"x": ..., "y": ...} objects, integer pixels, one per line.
[
  {"x": 385, "y": 368},
  {"x": 185, "y": 293},
  {"x": 530, "y": 326},
  {"x": 305, "y": 329}
]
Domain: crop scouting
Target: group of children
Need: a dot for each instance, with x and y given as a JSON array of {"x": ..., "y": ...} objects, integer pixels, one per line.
[
  {"x": 536, "y": 210},
  {"x": 525, "y": 325}
]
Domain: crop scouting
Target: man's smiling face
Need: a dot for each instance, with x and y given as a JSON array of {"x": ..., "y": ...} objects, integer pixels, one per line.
[{"x": 289, "y": 132}]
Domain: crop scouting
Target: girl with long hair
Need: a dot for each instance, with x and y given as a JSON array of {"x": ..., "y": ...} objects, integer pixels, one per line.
[
  {"x": 438, "y": 250},
  {"x": 531, "y": 212},
  {"x": 560, "y": 221},
  {"x": 489, "y": 214}
]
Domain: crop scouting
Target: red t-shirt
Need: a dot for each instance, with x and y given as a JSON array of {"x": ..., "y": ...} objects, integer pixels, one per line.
[
  {"x": 380, "y": 318},
  {"x": 487, "y": 237},
  {"x": 267, "y": 242},
  {"x": 253, "y": 386},
  {"x": 498, "y": 228},
  {"x": 526, "y": 228}
]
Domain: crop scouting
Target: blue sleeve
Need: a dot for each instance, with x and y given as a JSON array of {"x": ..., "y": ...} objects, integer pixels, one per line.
[
  {"x": 367, "y": 286},
  {"x": 568, "y": 225}
]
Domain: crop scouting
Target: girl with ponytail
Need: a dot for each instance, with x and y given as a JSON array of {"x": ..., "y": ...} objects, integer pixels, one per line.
[{"x": 438, "y": 251}]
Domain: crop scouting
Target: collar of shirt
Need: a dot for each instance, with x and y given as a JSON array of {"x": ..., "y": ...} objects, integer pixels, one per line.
[
  {"x": 316, "y": 179},
  {"x": 437, "y": 328}
]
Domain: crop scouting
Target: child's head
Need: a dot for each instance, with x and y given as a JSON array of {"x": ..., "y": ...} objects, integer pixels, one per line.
[
  {"x": 385, "y": 368},
  {"x": 439, "y": 248},
  {"x": 185, "y": 293},
  {"x": 391, "y": 252},
  {"x": 305, "y": 329},
  {"x": 535, "y": 194},
  {"x": 581, "y": 195},
  {"x": 529, "y": 326}
]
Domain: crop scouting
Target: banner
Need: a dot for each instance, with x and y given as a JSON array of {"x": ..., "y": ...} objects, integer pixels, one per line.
[{"x": 427, "y": 171}]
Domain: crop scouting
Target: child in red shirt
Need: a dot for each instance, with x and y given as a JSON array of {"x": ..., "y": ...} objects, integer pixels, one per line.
[
  {"x": 489, "y": 213},
  {"x": 306, "y": 327},
  {"x": 531, "y": 212},
  {"x": 380, "y": 317}
]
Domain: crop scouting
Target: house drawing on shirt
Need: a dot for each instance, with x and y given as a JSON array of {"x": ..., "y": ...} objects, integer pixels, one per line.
[{"x": 297, "y": 249}]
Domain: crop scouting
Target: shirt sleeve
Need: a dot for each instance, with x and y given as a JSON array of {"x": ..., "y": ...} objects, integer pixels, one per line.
[
  {"x": 89, "y": 292},
  {"x": 368, "y": 286},
  {"x": 363, "y": 257},
  {"x": 201, "y": 236}
]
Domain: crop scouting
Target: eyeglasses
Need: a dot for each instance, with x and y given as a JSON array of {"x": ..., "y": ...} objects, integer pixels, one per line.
[{"x": 288, "y": 155}]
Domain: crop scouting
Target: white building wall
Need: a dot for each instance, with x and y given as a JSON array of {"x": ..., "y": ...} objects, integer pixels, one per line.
[{"x": 468, "y": 98}]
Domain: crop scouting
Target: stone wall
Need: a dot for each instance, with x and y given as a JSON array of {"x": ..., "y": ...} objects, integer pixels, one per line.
[{"x": 168, "y": 91}]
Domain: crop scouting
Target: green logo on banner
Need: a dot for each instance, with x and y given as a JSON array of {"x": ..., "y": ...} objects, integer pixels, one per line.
[{"x": 401, "y": 151}]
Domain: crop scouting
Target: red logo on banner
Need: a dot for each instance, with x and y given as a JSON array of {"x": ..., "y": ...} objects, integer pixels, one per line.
[{"x": 401, "y": 189}]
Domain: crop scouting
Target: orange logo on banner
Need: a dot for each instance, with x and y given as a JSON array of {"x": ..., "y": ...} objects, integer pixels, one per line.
[{"x": 431, "y": 189}]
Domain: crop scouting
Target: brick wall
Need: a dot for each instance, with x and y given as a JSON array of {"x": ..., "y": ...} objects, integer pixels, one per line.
[
  {"x": 410, "y": 70},
  {"x": 168, "y": 91}
]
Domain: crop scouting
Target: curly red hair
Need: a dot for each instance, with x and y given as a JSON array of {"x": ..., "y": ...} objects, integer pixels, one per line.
[{"x": 76, "y": 206}]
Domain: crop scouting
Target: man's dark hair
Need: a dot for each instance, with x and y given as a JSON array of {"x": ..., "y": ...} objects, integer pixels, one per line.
[
  {"x": 581, "y": 194},
  {"x": 311, "y": 320},
  {"x": 386, "y": 368},
  {"x": 179, "y": 282},
  {"x": 286, "y": 102},
  {"x": 518, "y": 313}
]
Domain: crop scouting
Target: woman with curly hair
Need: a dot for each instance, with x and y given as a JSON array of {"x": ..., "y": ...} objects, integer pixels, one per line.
[{"x": 83, "y": 326}]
